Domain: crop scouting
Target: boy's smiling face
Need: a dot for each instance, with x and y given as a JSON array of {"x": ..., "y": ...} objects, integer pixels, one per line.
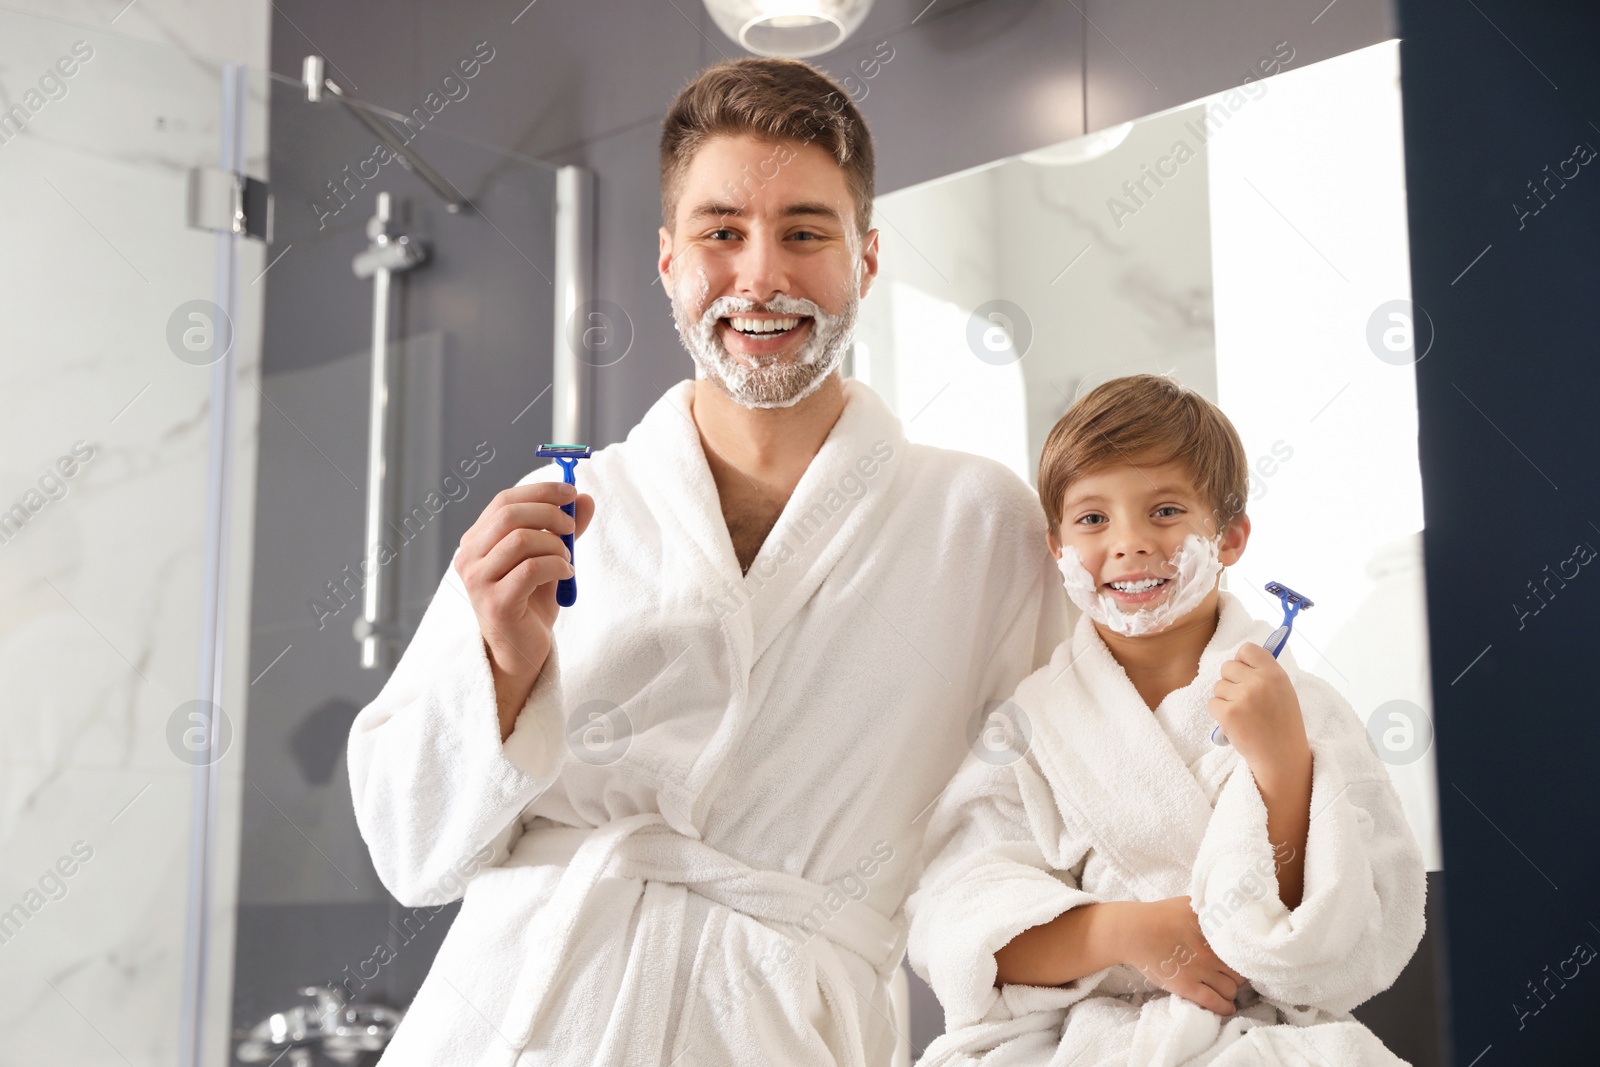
[{"x": 1127, "y": 522}]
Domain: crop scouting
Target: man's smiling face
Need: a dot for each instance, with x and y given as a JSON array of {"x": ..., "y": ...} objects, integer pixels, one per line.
[{"x": 765, "y": 267}]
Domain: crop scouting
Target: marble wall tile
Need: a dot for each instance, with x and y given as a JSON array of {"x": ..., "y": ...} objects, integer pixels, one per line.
[{"x": 101, "y": 586}]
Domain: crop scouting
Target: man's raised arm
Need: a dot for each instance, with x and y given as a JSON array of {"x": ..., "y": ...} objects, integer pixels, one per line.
[{"x": 468, "y": 729}]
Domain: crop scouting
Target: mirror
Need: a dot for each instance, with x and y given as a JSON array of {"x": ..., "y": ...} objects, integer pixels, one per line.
[{"x": 1253, "y": 246}]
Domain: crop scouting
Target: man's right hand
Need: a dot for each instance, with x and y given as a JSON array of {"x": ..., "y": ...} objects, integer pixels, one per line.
[{"x": 510, "y": 561}]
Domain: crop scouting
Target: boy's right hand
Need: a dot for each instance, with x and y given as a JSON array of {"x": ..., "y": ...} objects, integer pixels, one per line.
[
  {"x": 1162, "y": 939},
  {"x": 510, "y": 561}
]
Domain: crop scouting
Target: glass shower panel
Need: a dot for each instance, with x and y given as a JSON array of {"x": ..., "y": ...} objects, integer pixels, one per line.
[
  {"x": 470, "y": 328},
  {"x": 111, "y": 341}
]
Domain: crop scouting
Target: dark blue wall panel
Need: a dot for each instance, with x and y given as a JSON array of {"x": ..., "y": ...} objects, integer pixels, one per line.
[{"x": 1494, "y": 93}]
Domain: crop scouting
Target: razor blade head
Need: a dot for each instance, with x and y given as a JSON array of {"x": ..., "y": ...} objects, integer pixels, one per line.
[
  {"x": 564, "y": 451},
  {"x": 1278, "y": 589}
]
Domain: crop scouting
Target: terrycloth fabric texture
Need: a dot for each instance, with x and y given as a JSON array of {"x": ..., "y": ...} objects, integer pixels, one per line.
[
  {"x": 695, "y": 844},
  {"x": 1100, "y": 807}
]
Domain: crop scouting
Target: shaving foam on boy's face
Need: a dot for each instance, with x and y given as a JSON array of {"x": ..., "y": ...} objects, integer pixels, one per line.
[
  {"x": 1138, "y": 549},
  {"x": 1191, "y": 575}
]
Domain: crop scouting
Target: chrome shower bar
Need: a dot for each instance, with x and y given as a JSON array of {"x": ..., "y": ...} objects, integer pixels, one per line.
[
  {"x": 388, "y": 254},
  {"x": 574, "y": 281},
  {"x": 314, "y": 75}
]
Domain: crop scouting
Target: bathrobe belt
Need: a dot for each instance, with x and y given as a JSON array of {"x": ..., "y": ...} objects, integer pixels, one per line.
[{"x": 643, "y": 846}]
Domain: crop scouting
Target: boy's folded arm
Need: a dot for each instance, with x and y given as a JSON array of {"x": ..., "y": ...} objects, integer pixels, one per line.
[
  {"x": 1361, "y": 914},
  {"x": 1075, "y": 944},
  {"x": 959, "y": 925},
  {"x": 985, "y": 881}
]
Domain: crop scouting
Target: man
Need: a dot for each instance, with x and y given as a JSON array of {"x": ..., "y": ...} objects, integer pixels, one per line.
[{"x": 690, "y": 836}]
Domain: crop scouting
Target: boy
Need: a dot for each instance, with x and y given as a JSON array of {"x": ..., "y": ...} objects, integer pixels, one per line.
[{"x": 1115, "y": 886}]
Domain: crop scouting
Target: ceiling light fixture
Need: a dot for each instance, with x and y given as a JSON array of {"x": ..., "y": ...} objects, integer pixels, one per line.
[{"x": 793, "y": 28}]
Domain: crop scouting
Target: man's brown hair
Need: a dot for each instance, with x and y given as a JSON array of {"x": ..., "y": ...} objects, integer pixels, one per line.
[
  {"x": 1146, "y": 420},
  {"x": 775, "y": 99}
]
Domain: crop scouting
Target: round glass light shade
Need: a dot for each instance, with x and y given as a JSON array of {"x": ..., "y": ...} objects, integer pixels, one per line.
[{"x": 794, "y": 28}]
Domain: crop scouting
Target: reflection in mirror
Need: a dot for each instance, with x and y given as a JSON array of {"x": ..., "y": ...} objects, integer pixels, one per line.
[{"x": 1253, "y": 246}]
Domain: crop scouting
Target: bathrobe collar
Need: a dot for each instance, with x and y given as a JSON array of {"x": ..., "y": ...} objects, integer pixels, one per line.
[
  {"x": 1111, "y": 765},
  {"x": 837, "y": 503}
]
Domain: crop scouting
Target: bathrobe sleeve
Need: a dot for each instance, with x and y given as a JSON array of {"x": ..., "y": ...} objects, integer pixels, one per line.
[
  {"x": 437, "y": 795},
  {"x": 1361, "y": 915},
  {"x": 985, "y": 879}
]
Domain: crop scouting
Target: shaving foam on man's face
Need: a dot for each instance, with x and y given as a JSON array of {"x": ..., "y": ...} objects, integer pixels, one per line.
[
  {"x": 759, "y": 379},
  {"x": 1138, "y": 549},
  {"x": 784, "y": 257}
]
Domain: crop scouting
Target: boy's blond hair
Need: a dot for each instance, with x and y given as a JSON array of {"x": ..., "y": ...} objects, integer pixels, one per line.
[{"x": 1146, "y": 420}]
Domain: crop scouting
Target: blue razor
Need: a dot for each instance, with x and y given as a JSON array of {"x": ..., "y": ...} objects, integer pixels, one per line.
[
  {"x": 567, "y": 456},
  {"x": 1293, "y": 604}
]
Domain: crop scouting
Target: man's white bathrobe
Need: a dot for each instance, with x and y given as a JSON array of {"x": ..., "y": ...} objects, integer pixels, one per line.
[
  {"x": 694, "y": 846},
  {"x": 1110, "y": 801}
]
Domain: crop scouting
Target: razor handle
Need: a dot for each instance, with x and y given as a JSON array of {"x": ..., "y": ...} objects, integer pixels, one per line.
[{"x": 567, "y": 588}]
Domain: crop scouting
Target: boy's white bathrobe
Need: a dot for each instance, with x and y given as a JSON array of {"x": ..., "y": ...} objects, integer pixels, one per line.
[
  {"x": 694, "y": 846},
  {"x": 1110, "y": 801}
]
